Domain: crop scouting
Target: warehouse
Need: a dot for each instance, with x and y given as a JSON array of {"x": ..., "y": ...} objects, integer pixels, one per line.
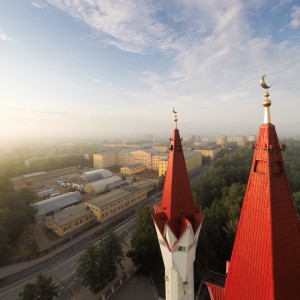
[
  {"x": 55, "y": 204},
  {"x": 95, "y": 175},
  {"x": 113, "y": 203},
  {"x": 69, "y": 219},
  {"x": 101, "y": 186}
]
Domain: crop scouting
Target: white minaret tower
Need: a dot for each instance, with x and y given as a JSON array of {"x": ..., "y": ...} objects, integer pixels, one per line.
[{"x": 178, "y": 222}]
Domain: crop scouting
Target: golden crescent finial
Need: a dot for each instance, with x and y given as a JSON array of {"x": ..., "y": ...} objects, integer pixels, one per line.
[
  {"x": 175, "y": 119},
  {"x": 263, "y": 83}
]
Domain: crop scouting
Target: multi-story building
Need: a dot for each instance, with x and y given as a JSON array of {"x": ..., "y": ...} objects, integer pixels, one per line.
[
  {"x": 113, "y": 203},
  {"x": 148, "y": 157},
  {"x": 210, "y": 151},
  {"x": 106, "y": 159},
  {"x": 221, "y": 140},
  {"x": 239, "y": 139},
  {"x": 193, "y": 159},
  {"x": 69, "y": 219},
  {"x": 125, "y": 157},
  {"x": 133, "y": 169}
]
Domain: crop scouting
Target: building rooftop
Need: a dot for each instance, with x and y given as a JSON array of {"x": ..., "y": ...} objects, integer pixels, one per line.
[
  {"x": 57, "y": 202},
  {"x": 106, "y": 199},
  {"x": 133, "y": 166},
  {"x": 69, "y": 214}
]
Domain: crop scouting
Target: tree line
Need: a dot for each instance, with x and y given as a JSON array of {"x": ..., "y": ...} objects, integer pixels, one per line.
[{"x": 16, "y": 213}]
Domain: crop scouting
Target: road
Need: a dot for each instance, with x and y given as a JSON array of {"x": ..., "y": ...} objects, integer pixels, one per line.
[{"x": 62, "y": 267}]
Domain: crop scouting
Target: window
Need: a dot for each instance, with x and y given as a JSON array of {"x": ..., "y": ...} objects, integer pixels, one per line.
[
  {"x": 181, "y": 248},
  {"x": 86, "y": 218},
  {"x": 80, "y": 221},
  {"x": 69, "y": 226},
  {"x": 76, "y": 223},
  {"x": 65, "y": 229}
]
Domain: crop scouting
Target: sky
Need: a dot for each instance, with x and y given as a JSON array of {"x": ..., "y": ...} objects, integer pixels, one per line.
[{"x": 95, "y": 68}]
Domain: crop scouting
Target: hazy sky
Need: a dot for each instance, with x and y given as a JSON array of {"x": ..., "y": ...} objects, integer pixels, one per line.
[{"x": 117, "y": 67}]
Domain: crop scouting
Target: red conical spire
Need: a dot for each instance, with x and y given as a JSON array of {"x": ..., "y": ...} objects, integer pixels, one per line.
[
  {"x": 265, "y": 261},
  {"x": 177, "y": 208},
  {"x": 177, "y": 197}
]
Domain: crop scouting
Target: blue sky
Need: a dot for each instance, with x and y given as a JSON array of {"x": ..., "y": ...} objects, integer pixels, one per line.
[{"x": 94, "y": 68}]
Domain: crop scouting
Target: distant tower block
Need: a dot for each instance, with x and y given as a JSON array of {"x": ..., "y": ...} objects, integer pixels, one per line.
[{"x": 178, "y": 222}]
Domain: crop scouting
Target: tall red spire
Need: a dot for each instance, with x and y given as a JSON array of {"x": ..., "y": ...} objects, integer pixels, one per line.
[{"x": 265, "y": 262}]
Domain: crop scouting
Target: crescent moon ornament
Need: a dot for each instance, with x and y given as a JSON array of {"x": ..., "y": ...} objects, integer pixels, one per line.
[
  {"x": 175, "y": 112},
  {"x": 263, "y": 84}
]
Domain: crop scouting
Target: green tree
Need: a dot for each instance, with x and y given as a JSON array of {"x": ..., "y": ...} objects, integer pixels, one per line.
[
  {"x": 98, "y": 264},
  {"x": 145, "y": 247},
  {"x": 43, "y": 289}
]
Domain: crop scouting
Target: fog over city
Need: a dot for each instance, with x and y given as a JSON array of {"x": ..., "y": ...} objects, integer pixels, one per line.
[{"x": 94, "y": 69}]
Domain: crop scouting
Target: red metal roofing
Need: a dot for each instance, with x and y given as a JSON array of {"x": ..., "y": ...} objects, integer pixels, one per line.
[
  {"x": 177, "y": 208},
  {"x": 215, "y": 292},
  {"x": 265, "y": 262}
]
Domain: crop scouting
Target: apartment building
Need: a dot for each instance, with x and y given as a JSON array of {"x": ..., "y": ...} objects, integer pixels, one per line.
[{"x": 210, "y": 151}]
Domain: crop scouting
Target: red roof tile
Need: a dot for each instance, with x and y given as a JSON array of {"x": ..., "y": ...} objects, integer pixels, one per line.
[
  {"x": 265, "y": 262},
  {"x": 177, "y": 208},
  {"x": 215, "y": 292}
]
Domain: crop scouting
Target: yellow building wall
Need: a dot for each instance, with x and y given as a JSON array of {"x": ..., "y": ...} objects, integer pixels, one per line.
[
  {"x": 131, "y": 171},
  {"x": 112, "y": 209},
  {"x": 69, "y": 227},
  {"x": 103, "y": 160},
  {"x": 210, "y": 152}
]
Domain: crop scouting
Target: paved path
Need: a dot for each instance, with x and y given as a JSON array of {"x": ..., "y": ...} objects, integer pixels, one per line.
[{"x": 136, "y": 288}]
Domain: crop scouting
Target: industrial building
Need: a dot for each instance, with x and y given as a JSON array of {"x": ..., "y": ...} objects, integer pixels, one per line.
[
  {"x": 113, "y": 203},
  {"x": 101, "y": 186},
  {"x": 95, "y": 175},
  {"x": 55, "y": 204},
  {"x": 69, "y": 219}
]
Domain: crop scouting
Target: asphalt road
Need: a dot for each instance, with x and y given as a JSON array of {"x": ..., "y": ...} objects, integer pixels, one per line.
[{"x": 62, "y": 267}]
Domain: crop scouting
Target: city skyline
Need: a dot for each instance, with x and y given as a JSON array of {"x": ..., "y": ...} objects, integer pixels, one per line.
[{"x": 96, "y": 69}]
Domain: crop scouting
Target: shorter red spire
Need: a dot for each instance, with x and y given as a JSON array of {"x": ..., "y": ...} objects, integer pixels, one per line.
[{"x": 177, "y": 208}]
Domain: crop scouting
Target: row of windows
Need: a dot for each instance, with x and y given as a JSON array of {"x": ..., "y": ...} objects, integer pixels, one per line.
[{"x": 78, "y": 222}]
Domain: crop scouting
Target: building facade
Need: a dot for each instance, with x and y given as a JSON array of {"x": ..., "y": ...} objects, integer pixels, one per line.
[
  {"x": 69, "y": 219},
  {"x": 105, "y": 159},
  {"x": 210, "y": 151},
  {"x": 133, "y": 169},
  {"x": 148, "y": 157},
  {"x": 106, "y": 206}
]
